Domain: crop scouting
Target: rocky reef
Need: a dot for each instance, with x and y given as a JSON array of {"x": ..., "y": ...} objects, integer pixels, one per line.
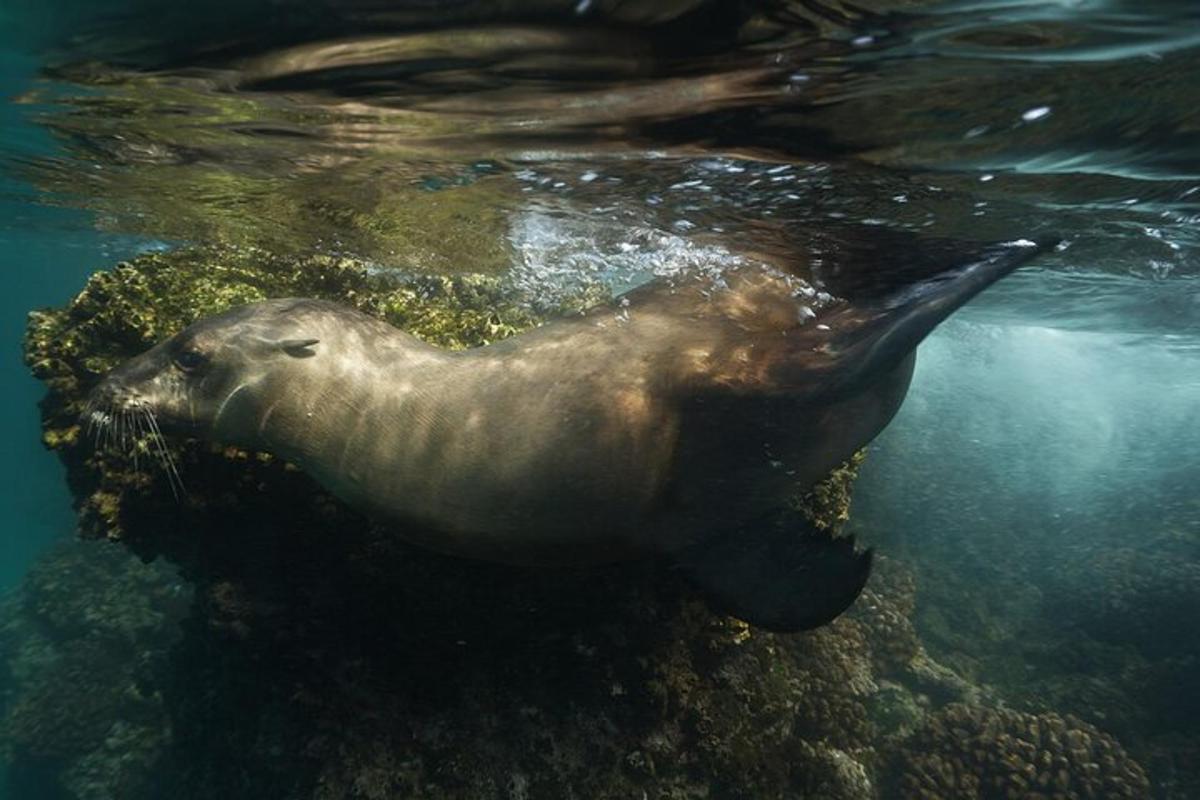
[
  {"x": 322, "y": 658},
  {"x": 973, "y": 752}
]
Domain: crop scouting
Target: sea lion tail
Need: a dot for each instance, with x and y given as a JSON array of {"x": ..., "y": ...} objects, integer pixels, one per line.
[
  {"x": 873, "y": 335},
  {"x": 782, "y": 578}
]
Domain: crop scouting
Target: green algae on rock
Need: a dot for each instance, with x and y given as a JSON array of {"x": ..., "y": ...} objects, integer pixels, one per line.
[{"x": 827, "y": 504}]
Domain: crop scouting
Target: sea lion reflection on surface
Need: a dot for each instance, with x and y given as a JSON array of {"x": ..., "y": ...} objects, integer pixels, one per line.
[{"x": 670, "y": 422}]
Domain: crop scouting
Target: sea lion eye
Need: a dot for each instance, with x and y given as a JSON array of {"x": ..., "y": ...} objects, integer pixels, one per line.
[{"x": 190, "y": 360}]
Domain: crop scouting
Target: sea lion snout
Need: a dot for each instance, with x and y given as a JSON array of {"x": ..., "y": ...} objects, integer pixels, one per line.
[
  {"x": 112, "y": 396},
  {"x": 148, "y": 385},
  {"x": 211, "y": 378},
  {"x": 128, "y": 381}
]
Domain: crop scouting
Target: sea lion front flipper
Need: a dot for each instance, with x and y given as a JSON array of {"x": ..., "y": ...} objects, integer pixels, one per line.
[{"x": 789, "y": 578}]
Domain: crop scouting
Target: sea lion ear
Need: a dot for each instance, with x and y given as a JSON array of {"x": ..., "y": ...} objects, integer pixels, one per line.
[{"x": 298, "y": 348}]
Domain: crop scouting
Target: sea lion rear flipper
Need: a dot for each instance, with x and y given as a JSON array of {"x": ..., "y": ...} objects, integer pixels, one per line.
[{"x": 790, "y": 578}]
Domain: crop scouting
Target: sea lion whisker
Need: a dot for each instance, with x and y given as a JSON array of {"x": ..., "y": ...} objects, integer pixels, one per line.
[
  {"x": 266, "y": 416},
  {"x": 157, "y": 438},
  {"x": 114, "y": 429},
  {"x": 152, "y": 431},
  {"x": 97, "y": 417},
  {"x": 157, "y": 446},
  {"x": 136, "y": 442},
  {"x": 177, "y": 480},
  {"x": 144, "y": 431},
  {"x": 168, "y": 460},
  {"x": 154, "y": 447}
]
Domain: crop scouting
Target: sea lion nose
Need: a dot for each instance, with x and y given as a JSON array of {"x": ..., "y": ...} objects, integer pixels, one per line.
[
  {"x": 117, "y": 389},
  {"x": 125, "y": 378},
  {"x": 109, "y": 403},
  {"x": 103, "y": 392},
  {"x": 103, "y": 398}
]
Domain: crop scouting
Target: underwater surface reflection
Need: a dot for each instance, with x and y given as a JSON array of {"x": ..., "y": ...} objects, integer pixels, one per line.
[{"x": 471, "y": 170}]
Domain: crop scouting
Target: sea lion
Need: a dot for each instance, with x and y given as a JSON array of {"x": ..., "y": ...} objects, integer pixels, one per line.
[{"x": 672, "y": 421}]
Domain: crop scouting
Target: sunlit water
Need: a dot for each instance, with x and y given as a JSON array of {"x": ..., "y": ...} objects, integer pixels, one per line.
[{"x": 1055, "y": 422}]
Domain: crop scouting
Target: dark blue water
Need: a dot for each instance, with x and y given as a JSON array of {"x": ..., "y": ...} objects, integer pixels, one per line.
[{"x": 1039, "y": 481}]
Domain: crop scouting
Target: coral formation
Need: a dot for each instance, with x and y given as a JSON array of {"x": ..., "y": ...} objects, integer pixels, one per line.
[
  {"x": 975, "y": 753},
  {"x": 885, "y": 609}
]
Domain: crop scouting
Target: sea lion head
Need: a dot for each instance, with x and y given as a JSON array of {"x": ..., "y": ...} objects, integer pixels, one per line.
[{"x": 211, "y": 378}]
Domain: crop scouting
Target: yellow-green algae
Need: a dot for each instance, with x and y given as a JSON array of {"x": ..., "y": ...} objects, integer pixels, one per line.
[{"x": 827, "y": 504}]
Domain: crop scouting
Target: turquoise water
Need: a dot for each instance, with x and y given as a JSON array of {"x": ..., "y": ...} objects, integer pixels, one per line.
[
  {"x": 34, "y": 502},
  {"x": 1037, "y": 488},
  {"x": 48, "y": 254}
]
